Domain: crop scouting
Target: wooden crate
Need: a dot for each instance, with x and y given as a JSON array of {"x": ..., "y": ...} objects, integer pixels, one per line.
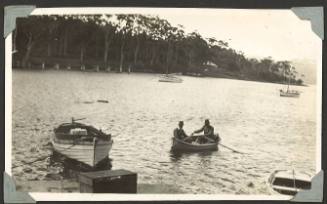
[{"x": 108, "y": 181}]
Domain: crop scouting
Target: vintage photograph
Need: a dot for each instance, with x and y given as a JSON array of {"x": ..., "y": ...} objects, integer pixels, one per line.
[{"x": 165, "y": 101}]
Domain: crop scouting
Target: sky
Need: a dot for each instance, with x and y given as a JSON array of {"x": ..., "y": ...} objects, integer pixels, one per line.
[{"x": 257, "y": 33}]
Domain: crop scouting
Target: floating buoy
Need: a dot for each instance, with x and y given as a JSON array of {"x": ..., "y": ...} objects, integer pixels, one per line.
[{"x": 88, "y": 102}]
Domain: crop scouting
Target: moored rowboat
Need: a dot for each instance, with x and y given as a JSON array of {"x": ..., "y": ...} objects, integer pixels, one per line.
[
  {"x": 81, "y": 142},
  {"x": 192, "y": 145},
  {"x": 289, "y": 182}
]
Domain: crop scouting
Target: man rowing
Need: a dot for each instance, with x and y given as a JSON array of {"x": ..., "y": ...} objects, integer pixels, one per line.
[{"x": 208, "y": 131}]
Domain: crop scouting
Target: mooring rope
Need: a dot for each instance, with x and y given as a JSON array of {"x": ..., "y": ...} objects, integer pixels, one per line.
[{"x": 31, "y": 162}]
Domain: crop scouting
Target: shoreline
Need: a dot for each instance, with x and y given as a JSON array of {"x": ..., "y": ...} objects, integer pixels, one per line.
[{"x": 223, "y": 76}]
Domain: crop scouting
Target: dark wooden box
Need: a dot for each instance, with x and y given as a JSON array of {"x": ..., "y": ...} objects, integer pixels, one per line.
[{"x": 108, "y": 181}]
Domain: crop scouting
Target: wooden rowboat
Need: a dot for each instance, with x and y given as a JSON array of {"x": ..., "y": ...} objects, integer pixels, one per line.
[
  {"x": 192, "y": 146},
  {"x": 81, "y": 142}
]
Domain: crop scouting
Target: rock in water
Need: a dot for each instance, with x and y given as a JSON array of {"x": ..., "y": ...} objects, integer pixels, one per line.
[{"x": 250, "y": 184}]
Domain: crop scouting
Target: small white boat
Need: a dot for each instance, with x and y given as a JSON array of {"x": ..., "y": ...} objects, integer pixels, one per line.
[
  {"x": 81, "y": 142},
  {"x": 170, "y": 78},
  {"x": 289, "y": 182}
]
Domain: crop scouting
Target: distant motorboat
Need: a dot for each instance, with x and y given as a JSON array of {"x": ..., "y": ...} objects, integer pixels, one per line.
[
  {"x": 81, "y": 142},
  {"x": 170, "y": 78},
  {"x": 289, "y": 182}
]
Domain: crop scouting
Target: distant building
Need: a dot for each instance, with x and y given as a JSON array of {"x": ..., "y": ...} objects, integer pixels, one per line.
[{"x": 209, "y": 63}]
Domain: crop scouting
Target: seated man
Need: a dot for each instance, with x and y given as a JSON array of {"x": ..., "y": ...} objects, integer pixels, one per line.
[
  {"x": 208, "y": 131},
  {"x": 179, "y": 132}
]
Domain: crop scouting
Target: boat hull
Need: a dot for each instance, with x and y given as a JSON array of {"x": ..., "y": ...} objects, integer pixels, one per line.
[
  {"x": 293, "y": 95},
  {"x": 171, "y": 81},
  {"x": 288, "y": 182},
  {"x": 285, "y": 190},
  {"x": 179, "y": 145},
  {"x": 89, "y": 153}
]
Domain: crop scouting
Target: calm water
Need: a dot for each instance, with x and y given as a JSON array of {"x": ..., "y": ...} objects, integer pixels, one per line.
[{"x": 275, "y": 132}]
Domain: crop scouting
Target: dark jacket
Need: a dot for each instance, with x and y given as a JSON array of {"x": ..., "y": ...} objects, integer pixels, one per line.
[{"x": 179, "y": 133}]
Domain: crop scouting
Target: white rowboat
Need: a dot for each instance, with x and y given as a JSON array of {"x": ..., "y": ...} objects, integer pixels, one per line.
[
  {"x": 82, "y": 143},
  {"x": 289, "y": 182}
]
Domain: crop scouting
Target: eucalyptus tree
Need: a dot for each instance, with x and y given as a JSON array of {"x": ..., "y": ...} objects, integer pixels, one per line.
[
  {"x": 168, "y": 36},
  {"x": 156, "y": 32},
  {"x": 285, "y": 66},
  {"x": 240, "y": 61},
  {"x": 28, "y": 35},
  {"x": 109, "y": 28},
  {"x": 124, "y": 27},
  {"x": 178, "y": 50},
  {"x": 254, "y": 65},
  {"x": 162, "y": 33},
  {"x": 197, "y": 50},
  {"x": 86, "y": 31},
  {"x": 266, "y": 64},
  {"x": 293, "y": 74},
  {"x": 212, "y": 42},
  {"x": 61, "y": 30},
  {"x": 223, "y": 44},
  {"x": 53, "y": 26},
  {"x": 140, "y": 27}
]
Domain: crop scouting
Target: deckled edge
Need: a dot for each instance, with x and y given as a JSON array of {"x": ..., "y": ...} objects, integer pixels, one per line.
[
  {"x": 315, "y": 15},
  {"x": 10, "y": 193},
  {"x": 10, "y": 15},
  {"x": 315, "y": 194}
]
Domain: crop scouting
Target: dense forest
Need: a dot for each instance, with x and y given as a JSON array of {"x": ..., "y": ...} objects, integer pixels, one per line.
[{"x": 137, "y": 43}]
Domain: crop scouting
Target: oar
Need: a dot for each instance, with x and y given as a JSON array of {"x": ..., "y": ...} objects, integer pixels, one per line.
[
  {"x": 231, "y": 149},
  {"x": 220, "y": 144}
]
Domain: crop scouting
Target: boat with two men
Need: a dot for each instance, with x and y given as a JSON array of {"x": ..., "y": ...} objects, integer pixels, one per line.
[{"x": 192, "y": 144}]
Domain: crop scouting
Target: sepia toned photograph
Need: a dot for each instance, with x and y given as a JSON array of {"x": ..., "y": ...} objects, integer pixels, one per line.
[{"x": 165, "y": 101}]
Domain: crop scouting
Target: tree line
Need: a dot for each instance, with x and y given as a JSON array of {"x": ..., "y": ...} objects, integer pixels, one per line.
[{"x": 134, "y": 42}]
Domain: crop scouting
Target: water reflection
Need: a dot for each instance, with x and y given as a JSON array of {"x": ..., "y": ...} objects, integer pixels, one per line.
[{"x": 176, "y": 156}]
